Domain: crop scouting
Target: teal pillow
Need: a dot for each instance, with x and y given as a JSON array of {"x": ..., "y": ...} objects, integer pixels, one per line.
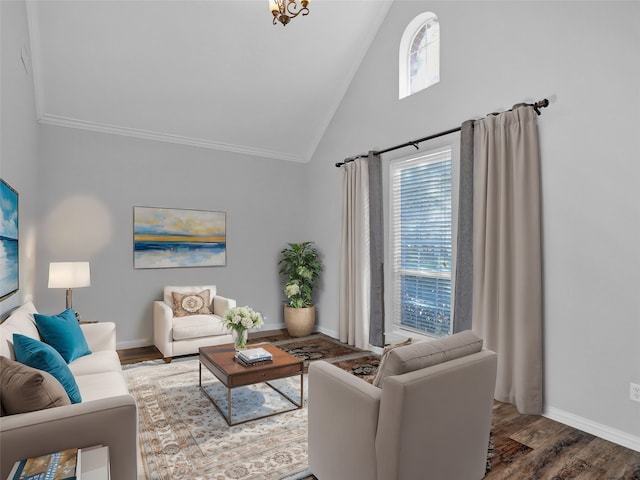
[
  {"x": 63, "y": 333},
  {"x": 36, "y": 354}
]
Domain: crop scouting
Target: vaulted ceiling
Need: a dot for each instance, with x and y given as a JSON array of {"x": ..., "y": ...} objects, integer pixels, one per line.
[{"x": 211, "y": 73}]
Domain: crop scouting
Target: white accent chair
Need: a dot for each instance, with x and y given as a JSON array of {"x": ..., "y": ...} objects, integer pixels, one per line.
[
  {"x": 429, "y": 418},
  {"x": 175, "y": 336}
]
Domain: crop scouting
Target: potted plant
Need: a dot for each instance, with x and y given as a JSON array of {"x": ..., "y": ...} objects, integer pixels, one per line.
[{"x": 301, "y": 267}]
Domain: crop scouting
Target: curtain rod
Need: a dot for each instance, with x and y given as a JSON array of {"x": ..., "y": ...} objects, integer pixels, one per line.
[{"x": 414, "y": 143}]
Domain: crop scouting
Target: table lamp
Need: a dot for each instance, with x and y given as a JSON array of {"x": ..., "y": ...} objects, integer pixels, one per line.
[{"x": 69, "y": 275}]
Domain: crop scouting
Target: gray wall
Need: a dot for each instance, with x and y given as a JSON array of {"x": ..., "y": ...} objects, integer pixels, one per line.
[
  {"x": 19, "y": 141},
  {"x": 584, "y": 57},
  {"x": 89, "y": 184}
]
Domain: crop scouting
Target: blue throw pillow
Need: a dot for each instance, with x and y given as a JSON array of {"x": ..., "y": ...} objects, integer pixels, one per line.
[
  {"x": 36, "y": 354},
  {"x": 63, "y": 333}
]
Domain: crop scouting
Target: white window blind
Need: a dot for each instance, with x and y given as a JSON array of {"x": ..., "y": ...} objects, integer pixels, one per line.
[{"x": 421, "y": 242}]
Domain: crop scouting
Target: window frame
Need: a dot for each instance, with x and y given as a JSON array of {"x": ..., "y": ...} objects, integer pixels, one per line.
[
  {"x": 444, "y": 152},
  {"x": 404, "y": 56}
]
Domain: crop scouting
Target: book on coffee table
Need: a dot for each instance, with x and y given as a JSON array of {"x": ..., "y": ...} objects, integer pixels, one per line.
[
  {"x": 254, "y": 355},
  {"x": 252, "y": 364}
]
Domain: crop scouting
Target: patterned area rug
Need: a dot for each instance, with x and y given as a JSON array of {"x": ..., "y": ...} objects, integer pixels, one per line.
[
  {"x": 183, "y": 436},
  {"x": 361, "y": 363}
]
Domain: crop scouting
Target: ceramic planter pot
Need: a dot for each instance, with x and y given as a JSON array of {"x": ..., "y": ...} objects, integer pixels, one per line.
[{"x": 299, "y": 321}]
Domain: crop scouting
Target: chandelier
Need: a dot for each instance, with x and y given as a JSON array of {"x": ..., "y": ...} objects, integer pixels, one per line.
[{"x": 284, "y": 10}]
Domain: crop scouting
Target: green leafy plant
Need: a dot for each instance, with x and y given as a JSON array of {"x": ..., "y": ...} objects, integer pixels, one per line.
[{"x": 301, "y": 266}]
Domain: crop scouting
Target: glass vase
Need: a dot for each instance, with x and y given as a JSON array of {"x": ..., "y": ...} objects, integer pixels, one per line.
[{"x": 239, "y": 338}]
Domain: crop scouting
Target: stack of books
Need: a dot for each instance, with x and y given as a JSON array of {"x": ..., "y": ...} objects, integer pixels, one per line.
[
  {"x": 73, "y": 464},
  {"x": 253, "y": 356}
]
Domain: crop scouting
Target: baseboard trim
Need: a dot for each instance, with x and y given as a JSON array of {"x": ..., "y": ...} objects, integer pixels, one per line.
[
  {"x": 603, "y": 431},
  {"x": 141, "y": 342},
  {"x": 328, "y": 332}
]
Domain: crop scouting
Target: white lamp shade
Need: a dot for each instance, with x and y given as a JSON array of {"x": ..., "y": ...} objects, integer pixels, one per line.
[{"x": 69, "y": 275}]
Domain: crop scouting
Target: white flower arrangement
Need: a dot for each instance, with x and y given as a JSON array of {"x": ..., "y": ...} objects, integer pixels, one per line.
[{"x": 242, "y": 318}]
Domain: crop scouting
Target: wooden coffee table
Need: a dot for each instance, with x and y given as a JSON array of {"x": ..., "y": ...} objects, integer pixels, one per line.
[{"x": 220, "y": 360}]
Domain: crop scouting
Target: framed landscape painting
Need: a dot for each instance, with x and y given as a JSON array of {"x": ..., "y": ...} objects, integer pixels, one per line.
[
  {"x": 171, "y": 237},
  {"x": 9, "y": 252}
]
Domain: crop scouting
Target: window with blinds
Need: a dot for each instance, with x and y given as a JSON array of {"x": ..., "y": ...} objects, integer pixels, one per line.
[{"x": 420, "y": 220}]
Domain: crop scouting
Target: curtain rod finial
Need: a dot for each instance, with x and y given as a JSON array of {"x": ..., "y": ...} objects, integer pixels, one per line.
[{"x": 541, "y": 104}]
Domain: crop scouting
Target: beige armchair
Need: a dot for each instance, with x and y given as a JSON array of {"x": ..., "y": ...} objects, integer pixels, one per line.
[
  {"x": 190, "y": 317},
  {"x": 429, "y": 418}
]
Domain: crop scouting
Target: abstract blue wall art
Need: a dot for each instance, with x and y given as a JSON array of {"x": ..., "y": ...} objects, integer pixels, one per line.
[
  {"x": 170, "y": 237},
  {"x": 9, "y": 251}
]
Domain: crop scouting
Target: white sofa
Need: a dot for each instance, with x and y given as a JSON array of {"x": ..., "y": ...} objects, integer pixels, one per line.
[
  {"x": 175, "y": 336},
  {"x": 106, "y": 416}
]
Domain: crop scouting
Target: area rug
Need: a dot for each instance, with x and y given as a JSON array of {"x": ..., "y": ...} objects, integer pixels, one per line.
[
  {"x": 183, "y": 436},
  {"x": 361, "y": 363}
]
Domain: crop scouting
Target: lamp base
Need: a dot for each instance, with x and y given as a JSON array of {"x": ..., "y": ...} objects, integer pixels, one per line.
[
  {"x": 69, "y": 303},
  {"x": 69, "y": 298}
]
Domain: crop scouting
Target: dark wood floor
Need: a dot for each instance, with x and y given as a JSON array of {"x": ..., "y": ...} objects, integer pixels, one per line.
[
  {"x": 525, "y": 446},
  {"x": 535, "y": 447}
]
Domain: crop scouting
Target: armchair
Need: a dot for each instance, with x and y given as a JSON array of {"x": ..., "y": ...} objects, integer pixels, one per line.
[
  {"x": 177, "y": 331},
  {"x": 429, "y": 418}
]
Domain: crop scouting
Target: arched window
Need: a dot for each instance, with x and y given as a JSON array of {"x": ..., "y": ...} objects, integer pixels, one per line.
[{"x": 419, "y": 65}]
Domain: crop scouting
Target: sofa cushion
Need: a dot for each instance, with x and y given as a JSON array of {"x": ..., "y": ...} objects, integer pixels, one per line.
[
  {"x": 26, "y": 389},
  {"x": 63, "y": 333},
  {"x": 39, "y": 355},
  {"x": 168, "y": 291},
  {"x": 428, "y": 353},
  {"x": 195, "y": 326},
  {"x": 191, "y": 303},
  {"x": 102, "y": 385},
  {"x": 98, "y": 362},
  {"x": 20, "y": 321}
]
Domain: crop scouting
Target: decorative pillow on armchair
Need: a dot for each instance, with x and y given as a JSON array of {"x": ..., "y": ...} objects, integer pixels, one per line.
[
  {"x": 383, "y": 358},
  {"x": 191, "y": 303}
]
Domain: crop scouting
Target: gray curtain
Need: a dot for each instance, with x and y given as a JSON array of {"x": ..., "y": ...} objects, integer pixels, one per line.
[
  {"x": 355, "y": 278},
  {"x": 507, "y": 257},
  {"x": 463, "y": 286},
  {"x": 376, "y": 253}
]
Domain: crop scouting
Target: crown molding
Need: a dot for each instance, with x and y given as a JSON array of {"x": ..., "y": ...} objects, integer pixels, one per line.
[
  {"x": 59, "y": 121},
  {"x": 166, "y": 137}
]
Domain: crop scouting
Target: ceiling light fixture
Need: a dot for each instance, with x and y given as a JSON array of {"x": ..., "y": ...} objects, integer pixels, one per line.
[{"x": 284, "y": 10}]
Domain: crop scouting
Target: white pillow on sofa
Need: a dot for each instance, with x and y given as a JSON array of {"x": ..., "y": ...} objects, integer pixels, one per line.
[{"x": 20, "y": 321}]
